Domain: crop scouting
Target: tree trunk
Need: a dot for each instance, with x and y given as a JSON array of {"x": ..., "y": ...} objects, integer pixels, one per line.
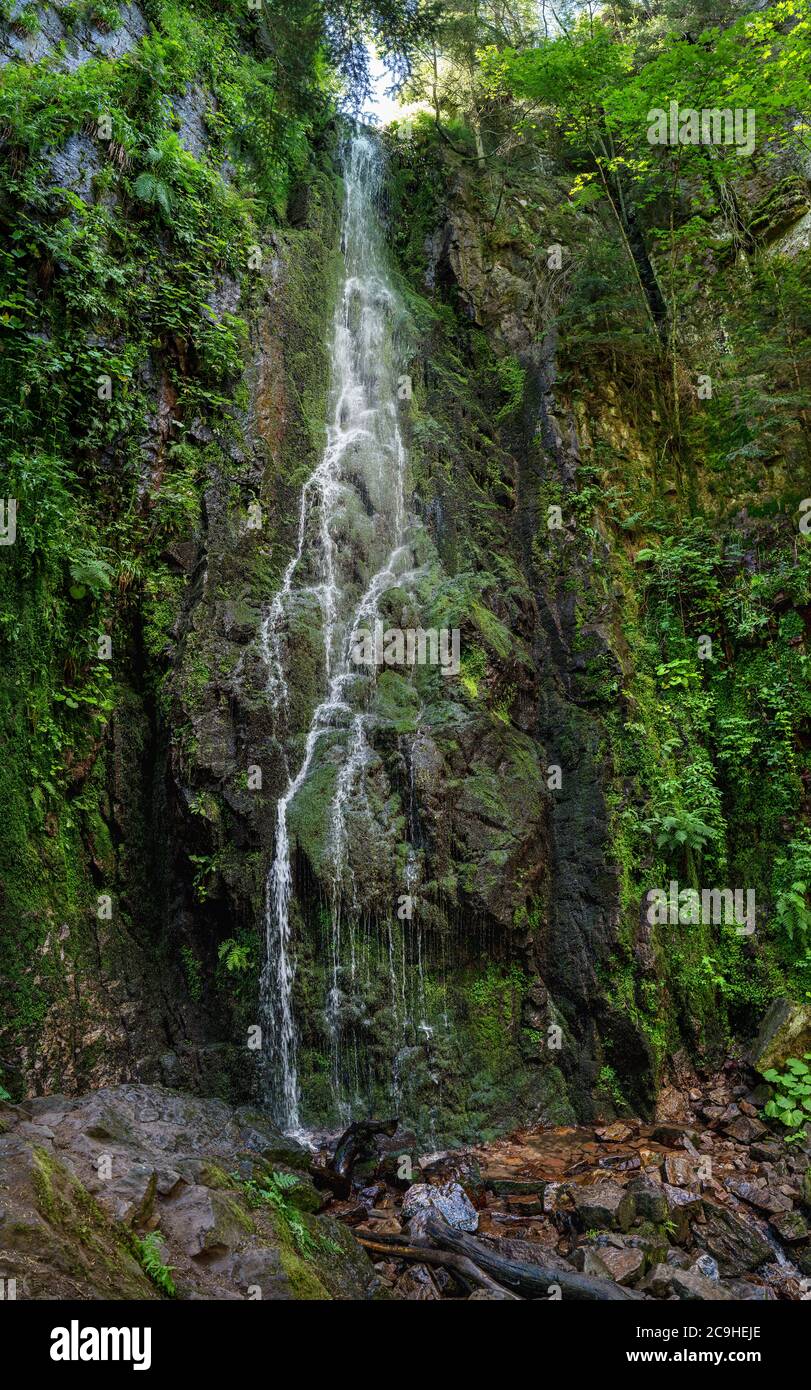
[{"x": 530, "y": 1281}]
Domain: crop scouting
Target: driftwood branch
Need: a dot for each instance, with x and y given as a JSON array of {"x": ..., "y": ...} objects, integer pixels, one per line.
[
  {"x": 468, "y": 1272},
  {"x": 528, "y": 1280},
  {"x": 356, "y": 1143}
]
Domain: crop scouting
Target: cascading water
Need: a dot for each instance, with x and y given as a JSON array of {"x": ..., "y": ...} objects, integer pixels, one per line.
[{"x": 352, "y": 547}]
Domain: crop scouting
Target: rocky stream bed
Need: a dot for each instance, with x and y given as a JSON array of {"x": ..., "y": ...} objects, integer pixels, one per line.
[{"x": 705, "y": 1202}]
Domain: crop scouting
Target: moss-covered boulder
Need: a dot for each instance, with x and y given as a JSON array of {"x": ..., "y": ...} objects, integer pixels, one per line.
[
  {"x": 785, "y": 1032},
  {"x": 216, "y": 1207}
]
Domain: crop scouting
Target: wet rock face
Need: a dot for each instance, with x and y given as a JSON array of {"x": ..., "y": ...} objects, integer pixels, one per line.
[
  {"x": 509, "y": 917},
  {"x": 80, "y": 43},
  {"x": 85, "y": 1179},
  {"x": 663, "y": 1281},
  {"x": 515, "y": 935},
  {"x": 516, "y": 906},
  {"x": 785, "y": 1032}
]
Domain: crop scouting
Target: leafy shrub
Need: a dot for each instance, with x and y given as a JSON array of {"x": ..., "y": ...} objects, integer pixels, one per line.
[{"x": 791, "y": 1103}]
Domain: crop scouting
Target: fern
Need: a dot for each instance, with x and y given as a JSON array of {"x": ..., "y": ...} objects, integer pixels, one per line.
[
  {"x": 271, "y": 1192},
  {"x": 153, "y": 1265},
  {"x": 236, "y": 958},
  {"x": 152, "y": 190}
]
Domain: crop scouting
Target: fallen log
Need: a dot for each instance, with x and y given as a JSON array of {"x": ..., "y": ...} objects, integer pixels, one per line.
[
  {"x": 529, "y": 1280},
  {"x": 468, "y": 1273},
  {"x": 356, "y": 1143}
]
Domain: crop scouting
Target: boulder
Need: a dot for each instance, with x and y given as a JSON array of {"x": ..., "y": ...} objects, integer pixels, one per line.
[
  {"x": 448, "y": 1200},
  {"x": 763, "y": 1198},
  {"x": 690, "y": 1284},
  {"x": 461, "y": 1166},
  {"x": 790, "y": 1226},
  {"x": 417, "y": 1284},
  {"x": 733, "y": 1241},
  {"x": 785, "y": 1032},
  {"x": 651, "y": 1201},
  {"x": 744, "y": 1129},
  {"x": 759, "y": 1293},
  {"x": 605, "y": 1206},
  {"x": 683, "y": 1204},
  {"x": 706, "y": 1266},
  {"x": 674, "y": 1136},
  {"x": 668, "y": 1281},
  {"x": 625, "y": 1265},
  {"x": 681, "y": 1170},
  {"x": 85, "y": 1178},
  {"x": 587, "y": 1260}
]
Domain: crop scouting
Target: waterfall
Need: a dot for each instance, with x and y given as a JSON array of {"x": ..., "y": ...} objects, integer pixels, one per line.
[{"x": 352, "y": 546}]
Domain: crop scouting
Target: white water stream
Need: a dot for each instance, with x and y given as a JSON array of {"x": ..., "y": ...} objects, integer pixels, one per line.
[{"x": 352, "y": 546}]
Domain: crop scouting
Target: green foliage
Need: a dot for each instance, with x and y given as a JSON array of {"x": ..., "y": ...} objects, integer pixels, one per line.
[
  {"x": 677, "y": 675},
  {"x": 150, "y": 189},
  {"x": 791, "y": 880},
  {"x": 235, "y": 956},
  {"x": 511, "y": 379},
  {"x": 791, "y": 1102},
  {"x": 273, "y": 1191},
  {"x": 793, "y": 913},
  {"x": 207, "y": 866},
  {"x": 681, "y": 830},
  {"x": 149, "y": 1254},
  {"x": 609, "y": 1082},
  {"x": 194, "y": 973}
]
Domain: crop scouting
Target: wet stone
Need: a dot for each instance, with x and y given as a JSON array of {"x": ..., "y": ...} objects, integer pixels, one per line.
[
  {"x": 764, "y": 1198},
  {"x": 651, "y": 1201},
  {"x": 744, "y": 1129},
  {"x": 417, "y": 1285},
  {"x": 448, "y": 1201},
  {"x": 616, "y": 1133},
  {"x": 732, "y": 1240},
  {"x": 790, "y": 1226},
  {"x": 604, "y": 1205},
  {"x": 707, "y": 1266},
  {"x": 681, "y": 1170},
  {"x": 624, "y": 1266}
]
